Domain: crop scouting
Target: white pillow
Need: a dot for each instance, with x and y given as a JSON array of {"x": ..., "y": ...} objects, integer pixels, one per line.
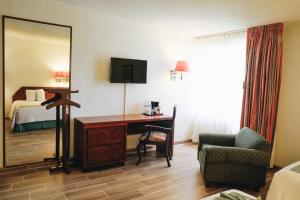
[
  {"x": 30, "y": 95},
  {"x": 40, "y": 95}
]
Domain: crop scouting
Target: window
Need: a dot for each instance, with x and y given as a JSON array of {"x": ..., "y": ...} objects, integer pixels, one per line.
[{"x": 218, "y": 72}]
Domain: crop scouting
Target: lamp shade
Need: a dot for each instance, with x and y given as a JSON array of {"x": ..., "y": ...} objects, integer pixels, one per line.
[
  {"x": 61, "y": 74},
  {"x": 182, "y": 66}
]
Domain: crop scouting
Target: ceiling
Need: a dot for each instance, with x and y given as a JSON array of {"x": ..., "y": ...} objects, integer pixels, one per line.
[{"x": 198, "y": 17}]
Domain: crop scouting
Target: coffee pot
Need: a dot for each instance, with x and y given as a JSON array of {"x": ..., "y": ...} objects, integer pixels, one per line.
[
  {"x": 152, "y": 108},
  {"x": 155, "y": 109}
]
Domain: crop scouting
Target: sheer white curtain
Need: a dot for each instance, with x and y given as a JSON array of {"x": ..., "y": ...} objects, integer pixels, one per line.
[{"x": 218, "y": 72}]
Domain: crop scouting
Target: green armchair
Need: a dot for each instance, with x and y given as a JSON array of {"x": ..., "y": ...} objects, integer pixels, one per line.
[{"x": 241, "y": 159}]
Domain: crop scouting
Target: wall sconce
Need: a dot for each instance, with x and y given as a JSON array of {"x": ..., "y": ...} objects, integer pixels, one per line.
[
  {"x": 181, "y": 66},
  {"x": 61, "y": 76}
]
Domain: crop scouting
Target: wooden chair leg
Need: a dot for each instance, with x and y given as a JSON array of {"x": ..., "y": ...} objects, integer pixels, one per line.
[
  {"x": 167, "y": 154},
  {"x": 145, "y": 149},
  {"x": 169, "y": 150},
  {"x": 138, "y": 150}
]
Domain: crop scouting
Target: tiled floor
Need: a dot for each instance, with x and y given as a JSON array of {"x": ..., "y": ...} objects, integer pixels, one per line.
[
  {"x": 28, "y": 147},
  {"x": 152, "y": 179}
]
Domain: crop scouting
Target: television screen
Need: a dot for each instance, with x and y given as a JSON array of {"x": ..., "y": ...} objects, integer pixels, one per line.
[{"x": 124, "y": 70}]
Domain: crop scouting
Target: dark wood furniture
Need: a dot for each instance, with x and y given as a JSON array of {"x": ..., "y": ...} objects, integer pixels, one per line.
[
  {"x": 156, "y": 135},
  {"x": 101, "y": 141},
  {"x": 62, "y": 99}
]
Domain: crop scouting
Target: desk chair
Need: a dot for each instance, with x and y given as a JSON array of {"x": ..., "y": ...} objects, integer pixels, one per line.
[{"x": 159, "y": 136}]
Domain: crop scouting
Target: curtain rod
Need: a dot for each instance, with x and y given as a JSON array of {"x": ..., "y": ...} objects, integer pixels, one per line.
[{"x": 221, "y": 33}]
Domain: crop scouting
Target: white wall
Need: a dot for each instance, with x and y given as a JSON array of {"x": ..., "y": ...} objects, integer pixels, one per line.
[
  {"x": 287, "y": 149},
  {"x": 98, "y": 37},
  {"x": 32, "y": 62}
]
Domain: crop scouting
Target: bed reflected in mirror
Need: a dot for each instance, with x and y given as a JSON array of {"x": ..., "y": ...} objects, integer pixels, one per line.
[{"x": 37, "y": 58}]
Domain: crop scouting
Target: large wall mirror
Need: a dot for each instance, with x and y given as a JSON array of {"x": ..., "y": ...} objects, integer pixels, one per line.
[{"x": 36, "y": 59}]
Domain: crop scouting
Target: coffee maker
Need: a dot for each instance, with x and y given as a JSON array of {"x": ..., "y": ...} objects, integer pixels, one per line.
[{"x": 153, "y": 108}]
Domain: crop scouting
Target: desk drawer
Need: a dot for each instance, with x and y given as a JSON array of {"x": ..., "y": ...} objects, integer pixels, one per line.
[
  {"x": 105, "y": 135},
  {"x": 106, "y": 154}
]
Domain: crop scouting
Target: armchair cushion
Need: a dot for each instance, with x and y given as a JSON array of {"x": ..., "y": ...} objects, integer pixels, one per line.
[
  {"x": 249, "y": 139},
  {"x": 155, "y": 133},
  {"x": 155, "y": 136}
]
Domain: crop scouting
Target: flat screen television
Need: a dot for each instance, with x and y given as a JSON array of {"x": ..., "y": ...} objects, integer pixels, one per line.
[{"x": 124, "y": 70}]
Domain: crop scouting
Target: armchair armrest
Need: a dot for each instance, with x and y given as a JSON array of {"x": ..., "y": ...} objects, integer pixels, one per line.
[
  {"x": 215, "y": 139},
  {"x": 237, "y": 155}
]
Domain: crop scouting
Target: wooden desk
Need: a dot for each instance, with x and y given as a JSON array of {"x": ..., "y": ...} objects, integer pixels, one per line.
[{"x": 101, "y": 140}]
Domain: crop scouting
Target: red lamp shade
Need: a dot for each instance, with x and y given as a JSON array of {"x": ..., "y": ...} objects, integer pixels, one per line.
[
  {"x": 182, "y": 66},
  {"x": 57, "y": 74},
  {"x": 61, "y": 76},
  {"x": 66, "y": 74}
]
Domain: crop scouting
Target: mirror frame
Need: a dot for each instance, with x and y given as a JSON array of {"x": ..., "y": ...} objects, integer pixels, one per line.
[{"x": 3, "y": 76}]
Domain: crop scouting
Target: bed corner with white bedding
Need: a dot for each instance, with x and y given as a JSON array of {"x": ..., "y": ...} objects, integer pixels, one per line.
[
  {"x": 30, "y": 115},
  {"x": 286, "y": 183},
  {"x": 19, "y": 104}
]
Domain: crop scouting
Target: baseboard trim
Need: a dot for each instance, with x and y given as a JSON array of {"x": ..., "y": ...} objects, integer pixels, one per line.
[
  {"x": 183, "y": 141},
  {"x": 151, "y": 148}
]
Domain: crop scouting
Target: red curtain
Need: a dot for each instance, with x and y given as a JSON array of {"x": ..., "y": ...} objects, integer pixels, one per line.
[{"x": 262, "y": 80}]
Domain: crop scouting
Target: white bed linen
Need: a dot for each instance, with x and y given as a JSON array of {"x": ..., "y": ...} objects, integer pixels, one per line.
[
  {"x": 34, "y": 114},
  {"x": 16, "y": 105},
  {"x": 285, "y": 184},
  {"x": 227, "y": 192},
  {"x": 30, "y": 111}
]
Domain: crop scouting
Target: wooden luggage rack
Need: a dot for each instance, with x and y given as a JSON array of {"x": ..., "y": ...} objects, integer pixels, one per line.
[{"x": 62, "y": 102}]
